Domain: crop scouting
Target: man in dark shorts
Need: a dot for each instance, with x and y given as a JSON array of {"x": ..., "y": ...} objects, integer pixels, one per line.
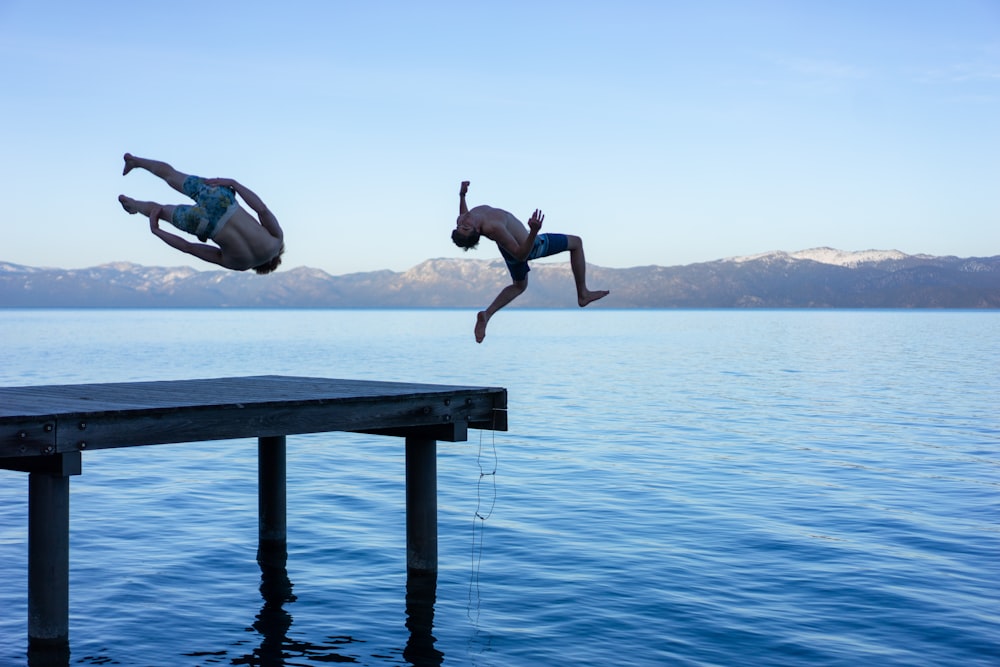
[
  {"x": 243, "y": 242},
  {"x": 518, "y": 245}
]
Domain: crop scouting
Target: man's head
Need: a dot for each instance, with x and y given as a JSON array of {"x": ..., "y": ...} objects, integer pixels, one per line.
[
  {"x": 269, "y": 266},
  {"x": 465, "y": 236}
]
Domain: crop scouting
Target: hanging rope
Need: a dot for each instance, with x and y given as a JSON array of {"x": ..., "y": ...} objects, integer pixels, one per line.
[{"x": 480, "y": 517}]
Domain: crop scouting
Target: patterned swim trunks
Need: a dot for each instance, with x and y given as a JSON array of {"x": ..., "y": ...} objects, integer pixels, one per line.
[{"x": 213, "y": 207}]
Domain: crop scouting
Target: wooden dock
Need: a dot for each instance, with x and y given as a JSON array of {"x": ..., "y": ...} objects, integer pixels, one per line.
[{"x": 44, "y": 430}]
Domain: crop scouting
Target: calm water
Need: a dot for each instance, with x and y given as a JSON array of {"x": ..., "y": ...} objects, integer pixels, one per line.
[{"x": 676, "y": 488}]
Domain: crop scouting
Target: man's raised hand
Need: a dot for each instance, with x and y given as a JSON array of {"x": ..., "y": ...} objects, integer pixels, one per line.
[{"x": 535, "y": 222}]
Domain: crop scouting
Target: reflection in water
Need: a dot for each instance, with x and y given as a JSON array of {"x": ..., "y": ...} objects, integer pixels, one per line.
[
  {"x": 421, "y": 594},
  {"x": 273, "y": 623},
  {"x": 55, "y": 655}
]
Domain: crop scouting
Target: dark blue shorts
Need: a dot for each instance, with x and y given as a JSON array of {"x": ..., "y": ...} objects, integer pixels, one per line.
[{"x": 545, "y": 245}]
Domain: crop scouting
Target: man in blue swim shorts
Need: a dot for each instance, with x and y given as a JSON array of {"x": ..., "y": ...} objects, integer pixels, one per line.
[
  {"x": 242, "y": 241},
  {"x": 517, "y": 245}
]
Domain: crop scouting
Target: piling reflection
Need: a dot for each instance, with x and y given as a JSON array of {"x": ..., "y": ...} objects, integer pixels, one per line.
[
  {"x": 55, "y": 654},
  {"x": 276, "y": 648},
  {"x": 421, "y": 595},
  {"x": 273, "y": 621}
]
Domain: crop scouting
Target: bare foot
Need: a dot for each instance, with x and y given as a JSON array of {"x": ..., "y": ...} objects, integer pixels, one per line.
[
  {"x": 129, "y": 163},
  {"x": 481, "y": 326},
  {"x": 590, "y": 297},
  {"x": 128, "y": 204}
]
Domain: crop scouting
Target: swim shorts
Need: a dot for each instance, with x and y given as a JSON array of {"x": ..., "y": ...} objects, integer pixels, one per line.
[
  {"x": 545, "y": 245},
  {"x": 213, "y": 207}
]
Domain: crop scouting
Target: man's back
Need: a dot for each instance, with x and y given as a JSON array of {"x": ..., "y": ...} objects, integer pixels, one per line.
[
  {"x": 244, "y": 243},
  {"x": 492, "y": 220}
]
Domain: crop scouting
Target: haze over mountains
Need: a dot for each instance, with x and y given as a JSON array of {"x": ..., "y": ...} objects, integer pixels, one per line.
[{"x": 815, "y": 278}]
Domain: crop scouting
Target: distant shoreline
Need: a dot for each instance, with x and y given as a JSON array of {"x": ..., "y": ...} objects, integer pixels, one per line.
[{"x": 819, "y": 278}]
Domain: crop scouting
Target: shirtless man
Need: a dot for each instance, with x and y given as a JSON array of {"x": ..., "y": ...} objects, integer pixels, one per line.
[
  {"x": 243, "y": 242},
  {"x": 517, "y": 245}
]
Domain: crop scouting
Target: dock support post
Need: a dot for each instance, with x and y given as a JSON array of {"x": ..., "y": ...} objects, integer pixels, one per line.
[
  {"x": 421, "y": 505},
  {"x": 272, "y": 547},
  {"x": 48, "y": 564}
]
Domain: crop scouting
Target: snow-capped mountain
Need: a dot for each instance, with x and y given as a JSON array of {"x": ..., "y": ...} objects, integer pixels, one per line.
[{"x": 813, "y": 278}]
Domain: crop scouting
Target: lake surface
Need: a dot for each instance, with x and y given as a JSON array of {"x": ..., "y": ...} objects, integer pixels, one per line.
[{"x": 676, "y": 488}]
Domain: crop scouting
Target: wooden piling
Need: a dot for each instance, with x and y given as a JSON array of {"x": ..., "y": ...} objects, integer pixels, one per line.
[
  {"x": 272, "y": 545},
  {"x": 421, "y": 505},
  {"x": 48, "y": 557}
]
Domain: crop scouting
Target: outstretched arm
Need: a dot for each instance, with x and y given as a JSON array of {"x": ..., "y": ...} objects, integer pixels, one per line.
[
  {"x": 201, "y": 251},
  {"x": 534, "y": 224},
  {"x": 462, "y": 207},
  {"x": 522, "y": 250},
  {"x": 267, "y": 219}
]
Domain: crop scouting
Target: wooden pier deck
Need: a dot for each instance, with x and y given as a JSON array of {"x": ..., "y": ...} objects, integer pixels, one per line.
[{"x": 44, "y": 430}]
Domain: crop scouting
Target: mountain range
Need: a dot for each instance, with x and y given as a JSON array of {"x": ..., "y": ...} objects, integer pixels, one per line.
[{"x": 815, "y": 278}]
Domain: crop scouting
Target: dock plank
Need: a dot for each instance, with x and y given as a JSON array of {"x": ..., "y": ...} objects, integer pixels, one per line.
[{"x": 47, "y": 419}]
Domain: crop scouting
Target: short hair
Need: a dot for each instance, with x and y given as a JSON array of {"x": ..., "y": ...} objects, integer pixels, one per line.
[
  {"x": 272, "y": 264},
  {"x": 465, "y": 241}
]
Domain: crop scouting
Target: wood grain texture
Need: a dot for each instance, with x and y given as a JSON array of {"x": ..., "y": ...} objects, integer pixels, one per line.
[{"x": 50, "y": 419}]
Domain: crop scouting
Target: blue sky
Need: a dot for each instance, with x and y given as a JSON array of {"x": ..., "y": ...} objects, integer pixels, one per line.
[{"x": 661, "y": 132}]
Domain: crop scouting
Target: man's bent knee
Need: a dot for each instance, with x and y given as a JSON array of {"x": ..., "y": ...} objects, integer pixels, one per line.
[{"x": 521, "y": 285}]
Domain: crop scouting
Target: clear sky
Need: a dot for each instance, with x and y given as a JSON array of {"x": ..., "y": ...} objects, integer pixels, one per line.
[{"x": 662, "y": 132}]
